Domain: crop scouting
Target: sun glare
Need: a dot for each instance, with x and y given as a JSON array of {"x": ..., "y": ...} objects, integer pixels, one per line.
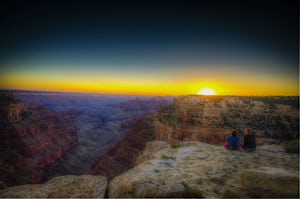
[{"x": 206, "y": 91}]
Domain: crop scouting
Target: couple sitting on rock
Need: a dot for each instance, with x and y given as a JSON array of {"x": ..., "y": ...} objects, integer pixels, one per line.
[{"x": 233, "y": 142}]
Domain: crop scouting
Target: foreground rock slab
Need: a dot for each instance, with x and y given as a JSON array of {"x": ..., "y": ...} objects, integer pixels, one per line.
[
  {"x": 270, "y": 182},
  {"x": 70, "y": 186},
  {"x": 196, "y": 169}
]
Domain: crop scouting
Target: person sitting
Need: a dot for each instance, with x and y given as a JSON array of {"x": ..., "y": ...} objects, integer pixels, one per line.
[
  {"x": 249, "y": 140},
  {"x": 233, "y": 142}
]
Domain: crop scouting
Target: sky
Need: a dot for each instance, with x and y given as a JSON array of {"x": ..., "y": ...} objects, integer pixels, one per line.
[{"x": 151, "y": 47}]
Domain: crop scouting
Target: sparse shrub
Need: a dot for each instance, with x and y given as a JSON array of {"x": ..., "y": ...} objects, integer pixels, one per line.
[
  {"x": 167, "y": 164},
  {"x": 192, "y": 122},
  {"x": 292, "y": 146},
  {"x": 167, "y": 157},
  {"x": 175, "y": 144},
  {"x": 190, "y": 192}
]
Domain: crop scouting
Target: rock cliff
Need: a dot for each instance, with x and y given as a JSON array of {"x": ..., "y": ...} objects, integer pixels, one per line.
[
  {"x": 123, "y": 155},
  {"x": 84, "y": 186},
  {"x": 11, "y": 109},
  {"x": 32, "y": 137},
  {"x": 196, "y": 169},
  {"x": 210, "y": 118}
]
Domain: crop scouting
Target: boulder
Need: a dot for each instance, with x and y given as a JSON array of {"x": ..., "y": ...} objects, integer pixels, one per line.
[
  {"x": 70, "y": 186},
  {"x": 270, "y": 182}
]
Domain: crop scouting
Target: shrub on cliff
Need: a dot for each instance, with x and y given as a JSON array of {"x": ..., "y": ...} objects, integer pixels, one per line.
[
  {"x": 167, "y": 157},
  {"x": 292, "y": 146},
  {"x": 7, "y": 98},
  {"x": 190, "y": 192},
  {"x": 175, "y": 144}
]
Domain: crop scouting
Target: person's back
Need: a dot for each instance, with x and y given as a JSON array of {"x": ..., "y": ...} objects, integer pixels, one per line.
[
  {"x": 249, "y": 140},
  {"x": 233, "y": 142}
]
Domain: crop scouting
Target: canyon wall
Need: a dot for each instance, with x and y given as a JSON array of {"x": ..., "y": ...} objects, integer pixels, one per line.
[
  {"x": 210, "y": 118},
  {"x": 32, "y": 137},
  {"x": 122, "y": 156}
]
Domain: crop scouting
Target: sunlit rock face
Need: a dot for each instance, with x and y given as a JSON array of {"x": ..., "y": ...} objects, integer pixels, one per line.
[
  {"x": 123, "y": 155},
  {"x": 31, "y": 138},
  {"x": 196, "y": 169},
  {"x": 210, "y": 118},
  {"x": 70, "y": 186}
]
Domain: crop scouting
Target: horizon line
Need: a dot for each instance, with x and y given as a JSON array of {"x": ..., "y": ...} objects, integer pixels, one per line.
[{"x": 132, "y": 94}]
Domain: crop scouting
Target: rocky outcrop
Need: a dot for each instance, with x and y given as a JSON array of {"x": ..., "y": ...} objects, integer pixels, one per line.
[
  {"x": 84, "y": 186},
  {"x": 123, "y": 155},
  {"x": 10, "y": 108},
  {"x": 32, "y": 137},
  {"x": 196, "y": 169},
  {"x": 210, "y": 118},
  {"x": 270, "y": 182}
]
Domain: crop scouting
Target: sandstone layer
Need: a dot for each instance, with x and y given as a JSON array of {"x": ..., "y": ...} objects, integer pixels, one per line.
[
  {"x": 70, "y": 186},
  {"x": 197, "y": 169},
  {"x": 210, "y": 118}
]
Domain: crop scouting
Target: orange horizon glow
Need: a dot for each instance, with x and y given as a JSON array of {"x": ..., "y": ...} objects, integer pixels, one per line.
[
  {"x": 151, "y": 89},
  {"x": 180, "y": 82}
]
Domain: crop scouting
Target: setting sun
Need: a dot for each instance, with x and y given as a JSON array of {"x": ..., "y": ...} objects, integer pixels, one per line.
[{"x": 206, "y": 91}]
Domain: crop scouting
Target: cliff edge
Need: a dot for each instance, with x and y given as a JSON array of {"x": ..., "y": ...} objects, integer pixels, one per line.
[{"x": 196, "y": 169}]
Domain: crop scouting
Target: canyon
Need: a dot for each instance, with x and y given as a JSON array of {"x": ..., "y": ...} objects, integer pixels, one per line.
[
  {"x": 44, "y": 120},
  {"x": 151, "y": 147}
]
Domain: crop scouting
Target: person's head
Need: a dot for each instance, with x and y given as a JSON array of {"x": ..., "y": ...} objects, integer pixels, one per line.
[
  {"x": 233, "y": 132},
  {"x": 247, "y": 130}
]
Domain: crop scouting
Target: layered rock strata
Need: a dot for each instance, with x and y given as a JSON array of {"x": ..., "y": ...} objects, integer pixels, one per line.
[
  {"x": 31, "y": 138},
  {"x": 210, "y": 118}
]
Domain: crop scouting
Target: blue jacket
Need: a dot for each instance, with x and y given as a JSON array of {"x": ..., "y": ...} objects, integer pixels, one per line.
[{"x": 233, "y": 142}]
